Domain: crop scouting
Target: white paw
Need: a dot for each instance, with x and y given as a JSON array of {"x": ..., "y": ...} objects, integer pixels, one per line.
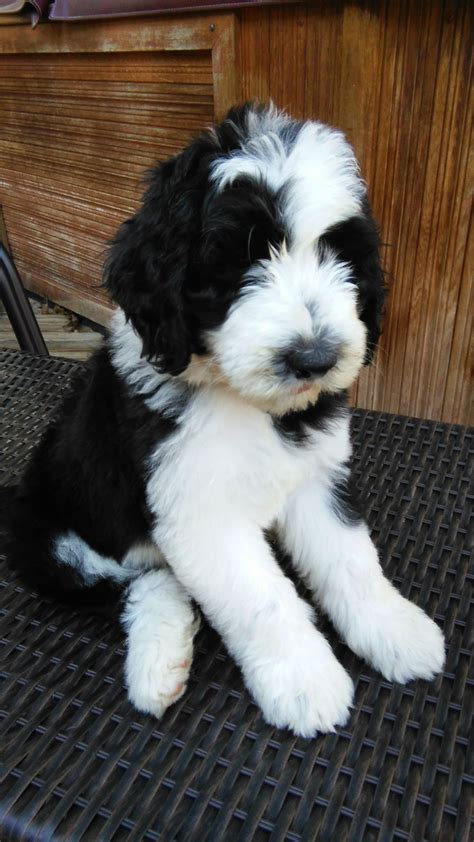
[
  {"x": 306, "y": 689},
  {"x": 161, "y": 625},
  {"x": 157, "y": 680},
  {"x": 399, "y": 640}
]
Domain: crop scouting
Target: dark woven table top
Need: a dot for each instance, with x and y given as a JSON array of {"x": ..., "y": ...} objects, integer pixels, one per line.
[{"x": 81, "y": 764}]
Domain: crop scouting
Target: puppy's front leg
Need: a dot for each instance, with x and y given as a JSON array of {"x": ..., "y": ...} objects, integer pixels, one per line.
[
  {"x": 332, "y": 549},
  {"x": 288, "y": 666}
]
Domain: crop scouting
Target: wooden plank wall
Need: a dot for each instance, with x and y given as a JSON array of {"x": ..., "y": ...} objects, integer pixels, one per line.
[
  {"x": 92, "y": 125},
  {"x": 85, "y": 110},
  {"x": 395, "y": 76}
]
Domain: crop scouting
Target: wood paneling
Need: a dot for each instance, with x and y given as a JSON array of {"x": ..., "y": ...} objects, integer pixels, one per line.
[
  {"x": 88, "y": 106},
  {"x": 78, "y": 129},
  {"x": 396, "y": 78},
  {"x": 74, "y": 148}
]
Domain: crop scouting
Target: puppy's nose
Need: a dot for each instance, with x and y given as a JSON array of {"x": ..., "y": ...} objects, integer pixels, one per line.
[{"x": 313, "y": 361}]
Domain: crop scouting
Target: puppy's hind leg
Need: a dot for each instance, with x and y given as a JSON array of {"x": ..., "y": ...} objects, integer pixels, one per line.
[
  {"x": 156, "y": 613},
  {"x": 160, "y": 624}
]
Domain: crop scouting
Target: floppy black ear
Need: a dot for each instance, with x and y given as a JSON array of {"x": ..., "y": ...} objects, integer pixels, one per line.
[
  {"x": 357, "y": 242},
  {"x": 370, "y": 281},
  {"x": 151, "y": 256}
]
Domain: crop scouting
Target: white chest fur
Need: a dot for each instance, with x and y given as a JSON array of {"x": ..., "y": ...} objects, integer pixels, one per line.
[{"x": 227, "y": 456}]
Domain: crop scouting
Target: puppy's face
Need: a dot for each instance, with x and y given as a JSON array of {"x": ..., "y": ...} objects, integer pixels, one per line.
[
  {"x": 254, "y": 262},
  {"x": 293, "y": 331}
]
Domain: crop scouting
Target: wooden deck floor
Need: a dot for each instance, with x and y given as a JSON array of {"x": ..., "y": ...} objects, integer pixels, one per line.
[{"x": 63, "y": 333}]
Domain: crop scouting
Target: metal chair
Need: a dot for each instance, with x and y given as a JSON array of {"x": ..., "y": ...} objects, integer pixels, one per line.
[{"x": 18, "y": 307}]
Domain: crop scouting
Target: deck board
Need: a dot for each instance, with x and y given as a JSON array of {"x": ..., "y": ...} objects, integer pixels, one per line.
[{"x": 63, "y": 333}]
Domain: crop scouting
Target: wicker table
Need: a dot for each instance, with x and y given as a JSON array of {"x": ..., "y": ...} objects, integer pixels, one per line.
[{"x": 81, "y": 764}]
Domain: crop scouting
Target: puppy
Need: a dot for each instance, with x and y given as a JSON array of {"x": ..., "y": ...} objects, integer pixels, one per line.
[{"x": 249, "y": 295}]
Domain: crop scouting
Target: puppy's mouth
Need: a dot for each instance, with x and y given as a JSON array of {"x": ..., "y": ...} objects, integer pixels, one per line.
[{"x": 305, "y": 387}]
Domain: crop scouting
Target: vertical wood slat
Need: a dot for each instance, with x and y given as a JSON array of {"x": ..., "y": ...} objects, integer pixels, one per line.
[
  {"x": 225, "y": 66},
  {"x": 362, "y": 30},
  {"x": 396, "y": 77},
  {"x": 451, "y": 202},
  {"x": 255, "y": 54},
  {"x": 287, "y": 56},
  {"x": 458, "y": 396},
  {"x": 410, "y": 138}
]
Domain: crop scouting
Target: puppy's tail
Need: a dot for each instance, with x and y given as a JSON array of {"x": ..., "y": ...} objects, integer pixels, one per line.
[{"x": 62, "y": 566}]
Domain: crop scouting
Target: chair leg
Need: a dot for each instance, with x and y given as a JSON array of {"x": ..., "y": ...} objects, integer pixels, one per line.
[{"x": 18, "y": 307}]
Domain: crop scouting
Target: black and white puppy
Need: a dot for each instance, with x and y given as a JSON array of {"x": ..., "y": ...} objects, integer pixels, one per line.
[{"x": 249, "y": 295}]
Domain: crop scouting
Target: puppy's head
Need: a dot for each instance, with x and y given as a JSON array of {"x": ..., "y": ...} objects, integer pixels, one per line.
[{"x": 253, "y": 261}]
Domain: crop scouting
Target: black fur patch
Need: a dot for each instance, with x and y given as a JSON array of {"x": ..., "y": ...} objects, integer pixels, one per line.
[
  {"x": 178, "y": 264},
  {"x": 240, "y": 224},
  {"x": 345, "y": 502},
  {"x": 152, "y": 257},
  {"x": 87, "y": 476},
  {"x": 294, "y": 426},
  {"x": 234, "y": 128},
  {"x": 356, "y": 241}
]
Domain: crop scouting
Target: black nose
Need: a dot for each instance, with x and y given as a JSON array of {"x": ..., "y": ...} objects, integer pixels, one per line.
[{"x": 314, "y": 361}]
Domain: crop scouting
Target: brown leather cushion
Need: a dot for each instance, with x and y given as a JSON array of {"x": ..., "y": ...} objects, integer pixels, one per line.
[
  {"x": 80, "y": 9},
  {"x": 10, "y": 6}
]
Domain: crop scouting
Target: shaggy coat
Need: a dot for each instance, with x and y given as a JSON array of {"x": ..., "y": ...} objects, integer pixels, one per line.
[{"x": 249, "y": 295}]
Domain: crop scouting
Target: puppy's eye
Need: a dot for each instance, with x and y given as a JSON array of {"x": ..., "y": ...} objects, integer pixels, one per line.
[
  {"x": 260, "y": 244},
  {"x": 258, "y": 247}
]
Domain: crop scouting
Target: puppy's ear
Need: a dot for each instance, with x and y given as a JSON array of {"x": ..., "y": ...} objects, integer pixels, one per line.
[
  {"x": 357, "y": 242},
  {"x": 370, "y": 282},
  {"x": 151, "y": 256}
]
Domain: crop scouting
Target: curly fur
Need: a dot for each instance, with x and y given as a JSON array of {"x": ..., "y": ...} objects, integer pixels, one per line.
[{"x": 249, "y": 294}]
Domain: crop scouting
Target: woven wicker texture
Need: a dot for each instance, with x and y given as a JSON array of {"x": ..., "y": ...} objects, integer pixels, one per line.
[{"x": 81, "y": 764}]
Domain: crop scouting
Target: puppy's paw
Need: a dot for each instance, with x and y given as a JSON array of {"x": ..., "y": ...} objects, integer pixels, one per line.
[
  {"x": 305, "y": 690},
  {"x": 159, "y": 683},
  {"x": 157, "y": 673},
  {"x": 400, "y": 641},
  {"x": 160, "y": 649}
]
